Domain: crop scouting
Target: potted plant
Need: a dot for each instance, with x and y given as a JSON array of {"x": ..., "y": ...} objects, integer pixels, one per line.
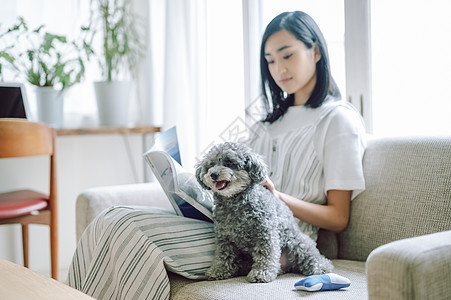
[
  {"x": 113, "y": 25},
  {"x": 48, "y": 61}
]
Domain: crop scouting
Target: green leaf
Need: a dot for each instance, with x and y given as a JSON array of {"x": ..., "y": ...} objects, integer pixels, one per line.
[
  {"x": 37, "y": 30},
  {"x": 7, "y": 57},
  {"x": 34, "y": 78},
  {"x": 30, "y": 54},
  {"x": 48, "y": 41}
]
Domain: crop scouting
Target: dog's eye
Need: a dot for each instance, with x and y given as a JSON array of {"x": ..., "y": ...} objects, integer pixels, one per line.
[{"x": 229, "y": 163}]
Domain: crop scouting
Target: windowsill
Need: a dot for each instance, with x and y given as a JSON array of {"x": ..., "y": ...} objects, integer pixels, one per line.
[
  {"x": 88, "y": 124},
  {"x": 107, "y": 130}
]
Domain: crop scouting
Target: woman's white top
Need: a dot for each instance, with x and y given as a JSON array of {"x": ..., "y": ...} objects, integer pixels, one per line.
[{"x": 312, "y": 150}]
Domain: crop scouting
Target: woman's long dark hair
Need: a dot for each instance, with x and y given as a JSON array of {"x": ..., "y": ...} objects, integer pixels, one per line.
[{"x": 305, "y": 29}]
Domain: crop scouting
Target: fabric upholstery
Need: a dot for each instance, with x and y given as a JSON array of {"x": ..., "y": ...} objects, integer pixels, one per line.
[
  {"x": 408, "y": 193},
  {"x": 21, "y": 202},
  {"x": 327, "y": 243},
  {"x": 282, "y": 288},
  {"x": 414, "y": 268}
]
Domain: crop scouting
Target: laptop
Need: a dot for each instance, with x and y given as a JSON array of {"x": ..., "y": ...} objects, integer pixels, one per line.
[{"x": 14, "y": 101}]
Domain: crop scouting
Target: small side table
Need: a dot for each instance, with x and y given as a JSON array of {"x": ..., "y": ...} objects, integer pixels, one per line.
[{"x": 17, "y": 282}]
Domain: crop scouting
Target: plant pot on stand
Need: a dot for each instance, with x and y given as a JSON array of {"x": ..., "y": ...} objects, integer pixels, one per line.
[
  {"x": 112, "y": 102},
  {"x": 50, "y": 106}
]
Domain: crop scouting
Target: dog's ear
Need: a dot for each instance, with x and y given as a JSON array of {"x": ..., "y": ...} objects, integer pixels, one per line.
[
  {"x": 199, "y": 174},
  {"x": 256, "y": 168}
]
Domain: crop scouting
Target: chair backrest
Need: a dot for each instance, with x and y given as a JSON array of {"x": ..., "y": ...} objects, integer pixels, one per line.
[{"x": 20, "y": 138}]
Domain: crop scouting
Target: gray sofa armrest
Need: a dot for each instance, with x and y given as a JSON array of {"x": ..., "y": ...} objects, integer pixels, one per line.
[
  {"x": 414, "y": 268},
  {"x": 93, "y": 201}
]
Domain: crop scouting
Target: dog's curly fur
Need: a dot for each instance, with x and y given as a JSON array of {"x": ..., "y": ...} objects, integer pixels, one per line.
[{"x": 256, "y": 233}]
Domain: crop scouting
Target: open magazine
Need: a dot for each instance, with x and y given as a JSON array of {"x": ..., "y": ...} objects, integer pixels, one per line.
[{"x": 187, "y": 197}]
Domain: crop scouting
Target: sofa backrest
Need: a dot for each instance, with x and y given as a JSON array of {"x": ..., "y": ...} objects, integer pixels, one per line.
[{"x": 408, "y": 193}]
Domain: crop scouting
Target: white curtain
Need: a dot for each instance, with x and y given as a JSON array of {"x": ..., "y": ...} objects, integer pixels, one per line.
[
  {"x": 253, "y": 28},
  {"x": 184, "y": 85},
  {"x": 172, "y": 84},
  {"x": 252, "y": 35},
  {"x": 202, "y": 69}
]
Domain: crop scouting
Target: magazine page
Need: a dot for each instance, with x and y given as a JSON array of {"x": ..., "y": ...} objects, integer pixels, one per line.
[
  {"x": 184, "y": 192},
  {"x": 163, "y": 171},
  {"x": 189, "y": 189},
  {"x": 167, "y": 141}
]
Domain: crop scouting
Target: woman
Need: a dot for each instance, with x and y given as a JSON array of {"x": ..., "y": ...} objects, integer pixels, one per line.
[{"x": 312, "y": 143}]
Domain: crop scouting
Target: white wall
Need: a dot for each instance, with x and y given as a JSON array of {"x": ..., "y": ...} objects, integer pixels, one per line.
[{"x": 82, "y": 162}]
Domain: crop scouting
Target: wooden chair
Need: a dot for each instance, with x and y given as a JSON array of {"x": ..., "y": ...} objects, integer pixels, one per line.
[{"x": 22, "y": 138}]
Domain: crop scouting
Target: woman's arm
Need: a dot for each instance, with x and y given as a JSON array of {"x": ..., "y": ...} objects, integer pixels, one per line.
[{"x": 334, "y": 216}]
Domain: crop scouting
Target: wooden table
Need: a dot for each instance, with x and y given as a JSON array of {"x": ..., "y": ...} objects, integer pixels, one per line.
[{"x": 17, "y": 282}]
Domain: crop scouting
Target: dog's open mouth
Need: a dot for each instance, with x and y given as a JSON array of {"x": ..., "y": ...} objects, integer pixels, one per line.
[{"x": 220, "y": 185}]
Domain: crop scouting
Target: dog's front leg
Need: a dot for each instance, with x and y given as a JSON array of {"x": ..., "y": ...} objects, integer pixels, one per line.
[
  {"x": 224, "y": 265},
  {"x": 266, "y": 257}
]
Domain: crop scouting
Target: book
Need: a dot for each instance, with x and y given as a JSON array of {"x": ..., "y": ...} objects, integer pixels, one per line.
[{"x": 186, "y": 195}]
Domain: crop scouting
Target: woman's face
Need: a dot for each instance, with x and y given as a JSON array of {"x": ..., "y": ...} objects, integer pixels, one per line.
[{"x": 292, "y": 65}]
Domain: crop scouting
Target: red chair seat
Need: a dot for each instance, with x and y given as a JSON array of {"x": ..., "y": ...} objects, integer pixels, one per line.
[{"x": 17, "y": 203}]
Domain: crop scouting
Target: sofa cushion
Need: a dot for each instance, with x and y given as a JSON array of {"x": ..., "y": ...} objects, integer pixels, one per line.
[
  {"x": 413, "y": 268},
  {"x": 327, "y": 243},
  {"x": 408, "y": 193},
  {"x": 282, "y": 288}
]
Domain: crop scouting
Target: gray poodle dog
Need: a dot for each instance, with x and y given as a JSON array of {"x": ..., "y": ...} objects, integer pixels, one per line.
[{"x": 256, "y": 233}]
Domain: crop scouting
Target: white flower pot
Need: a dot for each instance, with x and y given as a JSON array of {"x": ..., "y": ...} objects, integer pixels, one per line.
[
  {"x": 112, "y": 102},
  {"x": 50, "y": 106}
]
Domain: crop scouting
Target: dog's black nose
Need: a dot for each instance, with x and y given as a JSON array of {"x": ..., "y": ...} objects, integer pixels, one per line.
[{"x": 214, "y": 176}]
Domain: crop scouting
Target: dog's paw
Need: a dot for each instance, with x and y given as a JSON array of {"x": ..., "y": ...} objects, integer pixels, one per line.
[
  {"x": 217, "y": 273},
  {"x": 261, "y": 276},
  {"x": 324, "y": 266},
  {"x": 320, "y": 266}
]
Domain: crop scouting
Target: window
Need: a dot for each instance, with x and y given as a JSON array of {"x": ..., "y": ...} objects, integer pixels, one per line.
[
  {"x": 411, "y": 63},
  {"x": 396, "y": 67},
  {"x": 65, "y": 18}
]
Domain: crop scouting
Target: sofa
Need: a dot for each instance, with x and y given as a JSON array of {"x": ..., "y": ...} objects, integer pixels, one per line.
[{"x": 397, "y": 244}]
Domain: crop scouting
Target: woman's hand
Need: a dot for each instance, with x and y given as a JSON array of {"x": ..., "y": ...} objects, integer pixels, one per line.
[{"x": 270, "y": 186}]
